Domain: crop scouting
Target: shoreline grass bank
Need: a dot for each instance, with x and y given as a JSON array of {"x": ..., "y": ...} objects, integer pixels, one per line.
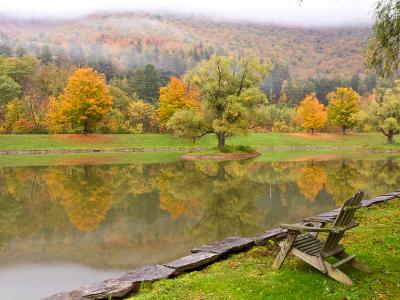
[
  {"x": 249, "y": 275},
  {"x": 113, "y": 141}
]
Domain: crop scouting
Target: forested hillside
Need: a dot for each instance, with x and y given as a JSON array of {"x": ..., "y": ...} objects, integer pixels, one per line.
[
  {"x": 177, "y": 43},
  {"x": 134, "y": 64}
]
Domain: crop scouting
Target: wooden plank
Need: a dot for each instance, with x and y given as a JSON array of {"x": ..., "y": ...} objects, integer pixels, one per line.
[
  {"x": 343, "y": 261},
  {"x": 354, "y": 263},
  {"x": 330, "y": 271},
  {"x": 311, "y": 246},
  {"x": 306, "y": 244}
]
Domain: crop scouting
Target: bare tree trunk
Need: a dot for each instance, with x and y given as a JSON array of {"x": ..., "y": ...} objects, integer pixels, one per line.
[
  {"x": 221, "y": 140},
  {"x": 344, "y": 129},
  {"x": 312, "y": 130},
  {"x": 390, "y": 137}
]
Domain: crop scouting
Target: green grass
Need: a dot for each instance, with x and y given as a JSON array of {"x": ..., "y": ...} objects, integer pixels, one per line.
[
  {"x": 249, "y": 275},
  {"x": 37, "y": 141}
]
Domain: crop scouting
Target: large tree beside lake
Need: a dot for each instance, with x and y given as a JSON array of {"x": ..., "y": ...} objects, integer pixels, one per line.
[
  {"x": 383, "y": 113},
  {"x": 383, "y": 48},
  {"x": 230, "y": 94},
  {"x": 85, "y": 102}
]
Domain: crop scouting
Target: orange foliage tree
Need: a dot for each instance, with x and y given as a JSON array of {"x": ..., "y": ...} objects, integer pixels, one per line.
[
  {"x": 311, "y": 113},
  {"x": 85, "y": 102},
  {"x": 175, "y": 96}
]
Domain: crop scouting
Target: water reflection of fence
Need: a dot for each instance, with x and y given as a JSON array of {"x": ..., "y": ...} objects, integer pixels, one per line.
[{"x": 200, "y": 257}]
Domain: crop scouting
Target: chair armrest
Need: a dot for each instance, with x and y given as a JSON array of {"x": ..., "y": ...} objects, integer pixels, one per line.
[
  {"x": 298, "y": 227},
  {"x": 350, "y": 226},
  {"x": 320, "y": 220}
]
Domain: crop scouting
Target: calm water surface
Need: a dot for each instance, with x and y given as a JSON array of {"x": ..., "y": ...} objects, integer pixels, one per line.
[{"x": 64, "y": 226}]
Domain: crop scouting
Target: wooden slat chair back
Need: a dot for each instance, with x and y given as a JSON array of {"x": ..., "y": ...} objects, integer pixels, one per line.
[
  {"x": 343, "y": 222},
  {"x": 315, "y": 252}
]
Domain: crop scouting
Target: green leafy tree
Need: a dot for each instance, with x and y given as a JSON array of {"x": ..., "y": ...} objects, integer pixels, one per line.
[
  {"x": 383, "y": 47},
  {"x": 278, "y": 118},
  {"x": 21, "y": 69},
  {"x": 9, "y": 89},
  {"x": 343, "y": 107},
  {"x": 230, "y": 92},
  {"x": 383, "y": 113}
]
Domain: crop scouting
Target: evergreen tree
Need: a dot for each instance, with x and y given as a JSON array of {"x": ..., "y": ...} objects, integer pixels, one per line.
[{"x": 45, "y": 55}]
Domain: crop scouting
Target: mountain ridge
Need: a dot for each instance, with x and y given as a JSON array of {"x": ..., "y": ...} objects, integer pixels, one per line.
[{"x": 139, "y": 38}]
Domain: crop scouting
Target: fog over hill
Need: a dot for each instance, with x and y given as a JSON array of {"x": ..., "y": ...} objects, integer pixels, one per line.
[
  {"x": 178, "y": 42},
  {"x": 287, "y": 12}
]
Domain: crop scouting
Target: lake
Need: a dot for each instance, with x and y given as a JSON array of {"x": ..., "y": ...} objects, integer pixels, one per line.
[{"x": 80, "y": 220}]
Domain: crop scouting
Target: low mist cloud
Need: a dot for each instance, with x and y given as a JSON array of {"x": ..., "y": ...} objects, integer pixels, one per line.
[{"x": 290, "y": 12}]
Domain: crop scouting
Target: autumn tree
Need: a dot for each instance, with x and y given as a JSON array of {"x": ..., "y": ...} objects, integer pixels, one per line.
[
  {"x": 311, "y": 113},
  {"x": 85, "y": 101},
  {"x": 383, "y": 113},
  {"x": 141, "y": 117},
  {"x": 230, "y": 93},
  {"x": 343, "y": 107},
  {"x": 17, "y": 119},
  {"x": 175, "y": 96},
  {"x": 283, "y": 97}
]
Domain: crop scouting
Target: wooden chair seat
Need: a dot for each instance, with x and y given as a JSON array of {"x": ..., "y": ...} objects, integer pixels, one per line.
[{"x": 308, "y": 244}]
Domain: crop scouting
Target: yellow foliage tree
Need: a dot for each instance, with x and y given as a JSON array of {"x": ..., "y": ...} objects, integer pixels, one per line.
[
  {"x": 85, "y": 102},
  {"x": 311, "y": 113},
  {"x": 141, "y": 117},
  {"x": 343, "y": 106},
  {"x": 175, "y": 96}
]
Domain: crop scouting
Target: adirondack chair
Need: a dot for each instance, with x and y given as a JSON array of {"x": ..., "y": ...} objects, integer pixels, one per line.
[{"x": 316, "y": 252}]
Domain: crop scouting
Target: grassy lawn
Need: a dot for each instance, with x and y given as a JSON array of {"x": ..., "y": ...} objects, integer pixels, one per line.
[
  {"x": 37, "y": 141},
  {"x": 249, "y": 275}
]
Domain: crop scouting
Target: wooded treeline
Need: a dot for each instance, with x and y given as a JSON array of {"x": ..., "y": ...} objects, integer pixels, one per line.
[{"x": 31, "y": 89}]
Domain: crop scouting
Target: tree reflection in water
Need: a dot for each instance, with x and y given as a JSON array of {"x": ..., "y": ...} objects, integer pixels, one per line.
[{"x": 132, "y": 214}]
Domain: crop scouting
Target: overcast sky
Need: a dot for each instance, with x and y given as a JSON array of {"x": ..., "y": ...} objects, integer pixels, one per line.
[{"x": 310, "y": 12}]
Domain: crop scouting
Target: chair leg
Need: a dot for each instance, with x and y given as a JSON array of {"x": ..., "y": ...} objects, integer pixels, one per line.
[
  {"x": 285, "y": 249},
  {"x": 354, "y": 263},
  {"x": 338, "y": 275},
  {"x": 323, "y": 266}
]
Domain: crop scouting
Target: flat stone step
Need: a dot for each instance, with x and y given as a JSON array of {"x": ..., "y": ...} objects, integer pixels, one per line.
[
  {"x": 395, "y": 194},
  {"x": 262, "y": 238},
  {"x": 148, "y": 273},
  {"x": 375, "y": 200},
  {"x": 192, "y": 261},
  {"x": 228, "y": 245},
  {"x": 107, "y": 289}
]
